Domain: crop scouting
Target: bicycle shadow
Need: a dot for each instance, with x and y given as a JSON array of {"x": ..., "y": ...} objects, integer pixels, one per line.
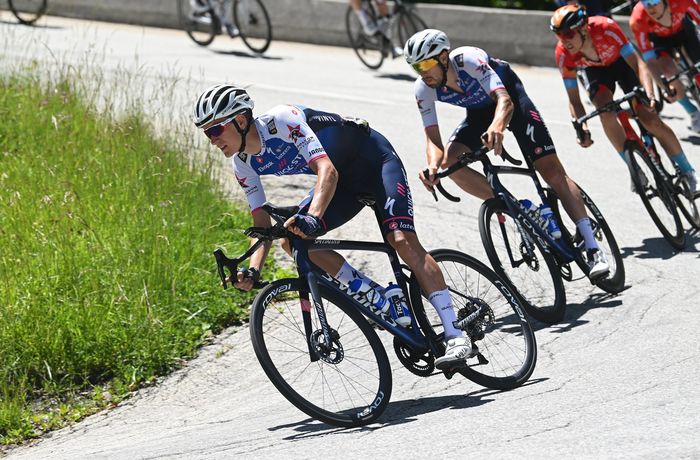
[
  {"x": 398, "y": 76},
  {"x": 398, "y": 412},
  {"x": 575, "y": 311},
  {"x": 250, "y": 55},
  {"x": 35, "y": 25},
  {"x": 659, "y": 248},
  {"x": 695, "y": 140}
]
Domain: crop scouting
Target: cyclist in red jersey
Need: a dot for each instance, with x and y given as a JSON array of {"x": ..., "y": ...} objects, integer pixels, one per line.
[
  {"x": 667, "y": 24},
  {"x": 599, "y": 47}
]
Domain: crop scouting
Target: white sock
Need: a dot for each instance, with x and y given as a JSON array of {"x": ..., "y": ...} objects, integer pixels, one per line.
[
  {"x": 442, "y": 302},
  {"x": 348, "y": 273}
]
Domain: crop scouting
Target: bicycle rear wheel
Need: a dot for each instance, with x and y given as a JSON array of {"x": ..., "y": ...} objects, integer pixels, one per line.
[
  {"x": 253, "y": 23},
  {"x": 533, "y": 272},
  {"x": 656, "y": 197},
  {"x": 346, "y": 385},
  {"x": 28, "y": 11},
  {"x": 368, "y": 48},
  {"x": 615, "y": 281},
  {"x": 506, "y": 343},
  {"x": 200, "y": 23},
  {"x": 408, "y": 24}
]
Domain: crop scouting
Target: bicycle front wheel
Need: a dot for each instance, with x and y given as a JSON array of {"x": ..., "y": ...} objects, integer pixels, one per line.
[
  {"x": 28, "y": 11},
  {"x": 505, "y": 341},
  {"x": 656, "y": 197},
  {"x": 200, "y": 22},
  {"x": 368, "y": 48},
  {"x": 520, "y": 259},
  {"x": 347, "y": 384},
  {"x": 253, "y": 23},
  {"x": 615, "y": 281}
]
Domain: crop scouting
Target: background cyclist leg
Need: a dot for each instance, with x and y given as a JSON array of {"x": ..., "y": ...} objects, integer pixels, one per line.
[
  {"x": 431, "y": 280},
  {"x": 665, "y": 65},
  {"x": 668, "y": 140},
  {"x": 553, "y": 173},
  {"x": 368, "y": 25}
]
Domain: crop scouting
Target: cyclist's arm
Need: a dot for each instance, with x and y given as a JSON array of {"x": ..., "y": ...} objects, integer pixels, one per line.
[
  {"x": 260, "y": 219},
  {"x": 635, "y": 61},
  {"x": 435, "y": 151},
  {"x": 504, "y": 110},
  {"x": 326, "y": 182}
]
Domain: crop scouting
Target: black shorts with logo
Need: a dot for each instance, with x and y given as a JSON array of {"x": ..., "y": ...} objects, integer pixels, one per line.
[
  {"x": 618, "y": 72},
  {"x": 527, "y": 124},
  {"x": 686, "y": 38},
  {"x": 373, "y": 168}
]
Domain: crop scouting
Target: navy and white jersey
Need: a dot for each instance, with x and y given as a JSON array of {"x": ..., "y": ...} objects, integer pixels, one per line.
[
  {"x": 289, "y": 145},
  {"x": 478, "y": 79}
]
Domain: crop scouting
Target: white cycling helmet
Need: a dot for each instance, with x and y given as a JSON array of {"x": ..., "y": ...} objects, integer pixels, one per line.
[
  {"x": 220, "y": 101},
  {"x": 425, "y": 44}
]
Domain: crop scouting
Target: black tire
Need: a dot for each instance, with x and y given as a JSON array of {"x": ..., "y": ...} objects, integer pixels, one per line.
[
  {"x": 253, "y": 23},
  {"x": 537, "y": 280},
  {"x": 656, "y": 197},
  {"x": 368, "y": 49},
  {"x": 201, "y": 26},
  {"x": 507, "y": 343},
  {"x": 687, "y": 202},
  {"x": 28, "y": 11},
  {"x": 408, "y": 24},
  {"x": 615, "y": 281},
  {"x": 352, "y": 391}
]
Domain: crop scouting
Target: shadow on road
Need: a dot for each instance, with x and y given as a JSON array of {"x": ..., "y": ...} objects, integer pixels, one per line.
[
  {"x": 692, "y": 139},
  {"x": 398, "y": 76},
  {"x": 398, "y": 412},
  {"x": 659, "y": 248},
  {"x": 36, "y": 26},
  {"x": 245, "y": 54},
  {"x": 575, "y": 311}
]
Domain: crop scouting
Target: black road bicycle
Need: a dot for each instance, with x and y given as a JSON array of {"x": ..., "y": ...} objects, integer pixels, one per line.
[
  {"x": 523, "y": 252},
  {"x": 203, "y": 20},
  {"x": 662, "y": 192},
  {"x": 318, "y": 344},
  {"x": 372, "y": 50},
  {"x": 28, "y": 11}
]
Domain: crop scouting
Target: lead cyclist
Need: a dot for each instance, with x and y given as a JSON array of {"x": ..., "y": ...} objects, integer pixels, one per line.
[{"x": 348, "y": 158}]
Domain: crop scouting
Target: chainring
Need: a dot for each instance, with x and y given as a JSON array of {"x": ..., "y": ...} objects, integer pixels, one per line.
[{"x": 421, "y": 365}]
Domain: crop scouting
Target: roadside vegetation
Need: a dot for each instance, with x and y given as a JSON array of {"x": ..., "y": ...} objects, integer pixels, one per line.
[{"x": 106, "y": 274}]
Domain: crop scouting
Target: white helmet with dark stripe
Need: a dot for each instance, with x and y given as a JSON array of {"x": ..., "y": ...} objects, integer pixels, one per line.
[
  {"x": 425, "y": 44},
  {"x": 220, "y": 101}
]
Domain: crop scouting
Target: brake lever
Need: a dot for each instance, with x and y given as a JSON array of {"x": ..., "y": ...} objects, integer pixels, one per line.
[{"x": 224, "y": 262}]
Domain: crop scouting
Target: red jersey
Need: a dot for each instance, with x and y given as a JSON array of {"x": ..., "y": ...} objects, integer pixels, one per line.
[
  {"x": 609, "y": 41},
  {"x": 642, "y": 24}
]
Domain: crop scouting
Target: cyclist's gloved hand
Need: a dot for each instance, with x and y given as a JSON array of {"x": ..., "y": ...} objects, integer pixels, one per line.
[
  {"x": 583, "y": 135},
  {"x": 308, "y": 224},
  {"x": 246, "y": 279}
]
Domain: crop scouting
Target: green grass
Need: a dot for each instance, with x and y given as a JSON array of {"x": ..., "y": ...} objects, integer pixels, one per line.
[{"x": 106, "y": 274}]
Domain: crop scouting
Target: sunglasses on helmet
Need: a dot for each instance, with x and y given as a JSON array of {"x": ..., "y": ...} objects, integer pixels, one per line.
[
  {"x": 217, "y": 129},
  {"x": 424, "y": 65},
  {"x": 651, "y": 2}
]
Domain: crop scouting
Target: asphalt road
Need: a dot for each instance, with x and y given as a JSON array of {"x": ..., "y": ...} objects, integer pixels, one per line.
[{"x": 617, "y": 378}]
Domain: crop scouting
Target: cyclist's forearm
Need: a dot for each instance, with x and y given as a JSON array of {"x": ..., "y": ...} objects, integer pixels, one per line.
[
  {"x": 503, "y": 113},
  {"x": 326, "y": 183},
  {"x": 257, "y": 260}
]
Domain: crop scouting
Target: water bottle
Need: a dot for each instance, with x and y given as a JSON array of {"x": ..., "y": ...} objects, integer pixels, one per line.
[
  {"x": 530, "y": 208},
  {"x": 372, "y": 291},
  {"x": 398, "y": 304},
  {"x": 550, "y": 224}
]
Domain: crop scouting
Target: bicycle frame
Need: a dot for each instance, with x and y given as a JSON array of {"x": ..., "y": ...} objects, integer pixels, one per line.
[{"x": 557, "y": 247}]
